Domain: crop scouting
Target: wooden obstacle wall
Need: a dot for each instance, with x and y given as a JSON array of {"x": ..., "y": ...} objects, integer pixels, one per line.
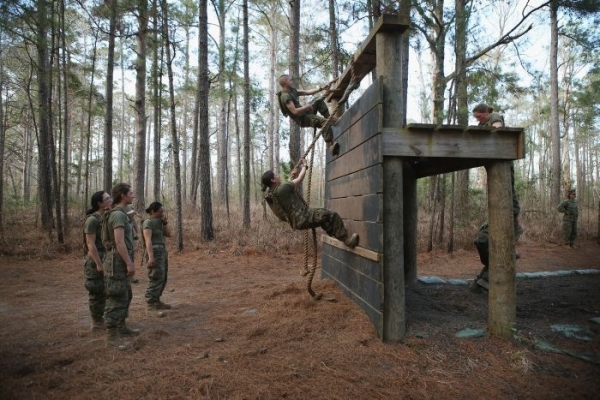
[{"x": 354, "y": 188}]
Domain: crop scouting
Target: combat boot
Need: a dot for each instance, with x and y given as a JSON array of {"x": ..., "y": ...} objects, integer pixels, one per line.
[
  {"x": 112, "y": 336},
  {"x": 97, "y": 324},
  {"x": 163, "y": 306},
  {"x": 123, "y": 330},
  {"x": 351, "y": 241}
]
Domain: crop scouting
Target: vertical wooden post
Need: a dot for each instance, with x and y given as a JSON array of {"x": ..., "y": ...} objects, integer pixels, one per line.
[
  {"x": 389, "y": 59},
  {"x": 409, "y": 183},
  {"x": 502, "y": 295}
]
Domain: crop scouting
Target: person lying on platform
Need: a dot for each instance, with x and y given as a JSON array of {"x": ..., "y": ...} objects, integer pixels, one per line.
[
  {"x": 306, "y": 115},
  {"x": 288, "y": 206}
]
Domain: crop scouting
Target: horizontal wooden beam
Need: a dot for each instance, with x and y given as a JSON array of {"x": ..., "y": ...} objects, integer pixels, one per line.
[
  {"x": 452, "y": 142},
  {"x": 368, "y": 254},
  {"x": 436, "y": 166}
]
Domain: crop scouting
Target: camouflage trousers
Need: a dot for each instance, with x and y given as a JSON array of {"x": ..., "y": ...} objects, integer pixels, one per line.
[
  {"x": 118, "y": 289},
  {"x": 482, "y": 243},
  {"x": 569, "y": 228},
  {"x": 328, "y": 220},
  {"x": 157, "y": 276},
  {"x": 94, "y": 283},
  {"x": 317, "y": 121}
]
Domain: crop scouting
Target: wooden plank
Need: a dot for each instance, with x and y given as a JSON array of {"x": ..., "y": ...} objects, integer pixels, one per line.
[
  {"x": 368, "y": 263},
  {"x": 358, "y": 250},
  {"x": 365, "y": 288},
  {"x": 503, "y": 295},
  {"x": 494, "y": 145},
  {"x": 364, "y": 59},
  {"x": 356, "y": 159},
  {"x": 366, "y": 181},
  {"x": 371, "y": 233},
  {"x": 435, "y": 166},
  {"x": 394, "y": 321},
  {"x": 368, "y": 207}
]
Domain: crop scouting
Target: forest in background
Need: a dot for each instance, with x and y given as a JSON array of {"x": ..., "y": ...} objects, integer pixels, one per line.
[{"x": 178, "y": 99}]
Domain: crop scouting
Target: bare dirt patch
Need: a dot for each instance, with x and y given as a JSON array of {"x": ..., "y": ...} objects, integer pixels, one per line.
[{"x": 243, "y": 327}]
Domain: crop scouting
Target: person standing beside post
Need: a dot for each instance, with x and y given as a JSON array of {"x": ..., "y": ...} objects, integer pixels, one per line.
[
  {"x": 154, "y": 230},
  {"x": 570, "y": 212},
  {"x": 93, "y": 268},
  {"x": 118, "y": 264},
  {"x": 486, "y": 116}
]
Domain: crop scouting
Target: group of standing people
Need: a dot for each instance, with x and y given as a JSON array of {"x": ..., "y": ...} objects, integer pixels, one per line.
[{"x": 109, "y": 261}]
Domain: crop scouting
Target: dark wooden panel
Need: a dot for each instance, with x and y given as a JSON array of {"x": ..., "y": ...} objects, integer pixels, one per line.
[
  {"x": 369, "y": 290},
  {"x": 374, "y": 315},
  {"x": 366, "y": 181},
  {"x": 368, "y": 126},
  {"x": 356, "y": 159},
  {"x": 493, "y": 145},
  {"x": 370, "y": 98},
  {"x": 359, "y": 208}
]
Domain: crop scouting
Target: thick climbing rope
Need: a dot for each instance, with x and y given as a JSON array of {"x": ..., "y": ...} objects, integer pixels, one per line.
[{"x": 312, "y": 270}]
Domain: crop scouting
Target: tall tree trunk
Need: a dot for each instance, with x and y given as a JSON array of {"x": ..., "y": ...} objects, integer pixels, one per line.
[
  {"x": 44, "y": 100},
  {"x": 554, "y": 117},
  {"x": 294, "y": 62},
  {"x": 108, "y": 121},
  {"x": 246, "y": 218},
  {"x": 2, "y": 132},
  {"x": 206, "y": 217},
  {"x": 66, "y": 120},
  {"x": 174, "y": 138},
  {"x": 222, "y": 145},
  {"x": 156, "y": 99},
  {"x": 462, "y": 109},
  {"x": 140, "y": 105},
  {"x": 88, "y": 129},
  {"x": 274, "y": 109}
]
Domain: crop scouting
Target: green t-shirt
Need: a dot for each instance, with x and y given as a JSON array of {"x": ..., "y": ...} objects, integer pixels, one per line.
[
  {"x": 296, "y": 212},
  {"x": 286, "y": 97},
  {"x": 494, "y": 117},
  {"x": 119, "y": 218},
  {"x": 156, "y": 226},
  {"x": 93, "y": 225}
]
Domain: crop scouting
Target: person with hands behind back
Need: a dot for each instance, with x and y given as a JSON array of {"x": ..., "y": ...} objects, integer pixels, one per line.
[
  {"x": 154, "y": 231},
  {"x": 118, "y": 265},
  {"x": 93, "y": 268}
]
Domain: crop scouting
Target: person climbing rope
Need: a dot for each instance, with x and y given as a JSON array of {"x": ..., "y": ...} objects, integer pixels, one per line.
[
  {"x": 306, "y": 115},
  {"x": 288, "y": 206}
]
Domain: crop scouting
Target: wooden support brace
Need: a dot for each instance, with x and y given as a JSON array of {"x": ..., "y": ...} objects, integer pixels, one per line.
[{"x": 361, "y": 251}]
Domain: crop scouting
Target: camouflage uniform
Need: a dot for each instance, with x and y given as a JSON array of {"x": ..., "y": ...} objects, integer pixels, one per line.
[
  {"x": 571, "y": 212},
  {"x": 118, "y": 287},
  {"x": 94, "y": 280},
  {"x": 157, "y": 276},
  {"x": 288, "y": 206},
  {"x": 482, "y": 243},
  {"x": 495, "y": 117},
  {"x": 307, "y": 120}
]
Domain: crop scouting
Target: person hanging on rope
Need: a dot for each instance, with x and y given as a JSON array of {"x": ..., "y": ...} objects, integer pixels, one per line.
[
  {"x": 306, "y": 115},
  {"x": 288, "y": 206}
]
